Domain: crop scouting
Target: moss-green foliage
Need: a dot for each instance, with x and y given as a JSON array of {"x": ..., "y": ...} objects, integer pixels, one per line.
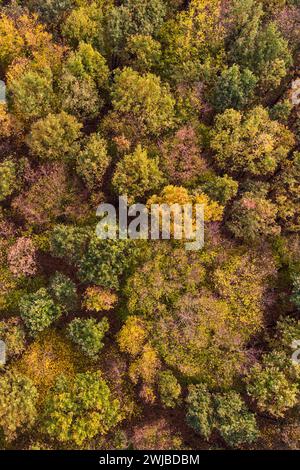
[
  {"x": 137, "y": 175},
  {"x": 88, "y": 334},
  {"x": 63, "y": 291},
  {"x": 80, "y": 408},
  {"x": 250, "y": 143},
  {"x": 55, "y": 137},
  {"x": 225, "y": 412},
  {"x": 17, "y": 403},
  {"x": 38, "y": 311},
  {"x": 274, "y": 384},
  {"x": 93, "y": 161},
  {"x": 8, "y": 178}
]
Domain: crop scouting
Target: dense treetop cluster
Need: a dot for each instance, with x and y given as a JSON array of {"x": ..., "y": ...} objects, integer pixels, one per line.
[{"x": 117, "y": 344}]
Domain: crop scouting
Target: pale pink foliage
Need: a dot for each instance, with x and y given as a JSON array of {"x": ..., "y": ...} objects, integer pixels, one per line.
[
  {"x": 22, "y": 258},
  {"x": 181, "y": 156}
]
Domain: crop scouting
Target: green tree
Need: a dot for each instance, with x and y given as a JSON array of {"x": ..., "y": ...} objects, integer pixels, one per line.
[
  {"x": 258, "y": 45},
  {"x": 93, "y": 161},
  {"x": 80, "y": 408},
  {"x": 30, "y": 95},
  {"x": 18, "y": 400},
  {"x": 169, "y": 389},
  {"x": 249, "y": 143},
  {"x": 224, "y": 412},
  {"x": 63, "y": 291},
  {"x": 84, "y": 24},
  {"x": 38, "y": 311},
  {"x": 144, "y": 53},
  {"x": 8, "y": 178},
  {"x": 234, "y": 89},
  {"x": 274, "y": 384},
  {"x": 221, "y": 188},
  {"x": 137, "y": 175},
  {"x": 87, "y": 62},
  {"x": 142, "y": 105},
  {"x": 55, "y": 137},
  {"x": 88, "y": 334},
  {"x": 296, "y": 291},
  {"x": 286, "y": 193},
  {"x": 12, "y": 333}
]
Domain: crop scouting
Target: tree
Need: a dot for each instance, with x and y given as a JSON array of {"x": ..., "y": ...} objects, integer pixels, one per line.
[
  {"x": 253, "y": 218},
  {"x": 286, "y": 193},
  {"x": 55, "y": 137},
  {"x": 105, "y": 261},
  {"x": 88, "y": 335},
  {"x": 137, "y": 175},
  {"x": 8, "y": 178},
  {"x": 221, "y": 188},
  {"x": 30, "y": 94},
  {"x": 63, "y": 291},
  {"x": 142, "y": 105},
  {"x": 132, "y": 18},
  {"x": 83, "y": 24},
  {"x": 144, "y": 53},
  {"x": 79, "y": 408},
  {"x": 234, "y": 89},
  {"x": 98, "y": 299},
  {"x": 86, "y": 62},
  {"x": 170, "y": 195},
  {"x": 18, "y": 401},
  {"x": 59, "y": 192},
  {"x": 192, "y": 42},
  {"x": 273, "y": 384},
  {"x": 93, "y": 161},
  {"x": 258, "y": 45},
  {"x": 11, "y": 42},
  {"x": 181, "y": 157},
  {"x": 79, "y": 96},
  {"x": 296, "y": 291},
  {"x": 225, "y": 412},
  {"x": 249, "y": 143},
  {"x": 22, "y": 258},
  {"x": 169, "y": 389},
  {"x": 235, "y": 423},
  {"x": 52, "y": 12},
  {"x": 12, "y": 333},
  {"x": 38, "y": 311},
  {"x": 132, "y": 336},
  {"x": 200, "y": 413}
]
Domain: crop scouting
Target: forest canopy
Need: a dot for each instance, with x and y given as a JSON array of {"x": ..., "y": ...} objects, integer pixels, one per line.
[{"x": 142, "y": 344}]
